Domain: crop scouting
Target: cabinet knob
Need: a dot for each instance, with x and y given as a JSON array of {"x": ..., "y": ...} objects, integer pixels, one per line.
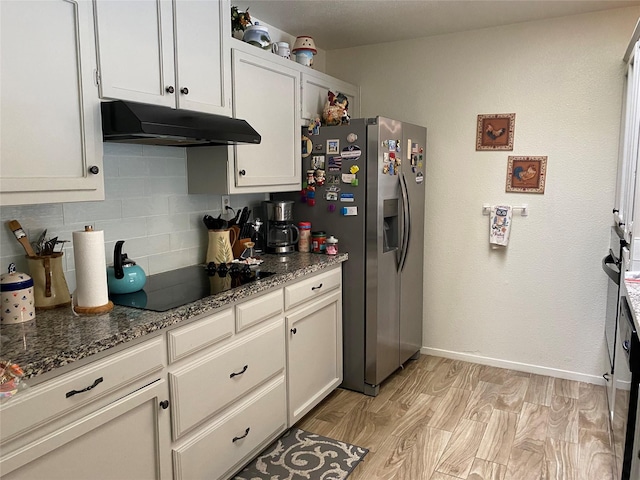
[
  {"x": 164, "y": 404},
  {"x": 294, "y": 330},
  {"x": 621, "y": 224},
  {"x": 184, "y": 91},
  {"x": 94, "y": 169},
  {"x": 242, "y": 173},
  {"x": 170, "y": 89},
  {"x": 615, "y": 210}
]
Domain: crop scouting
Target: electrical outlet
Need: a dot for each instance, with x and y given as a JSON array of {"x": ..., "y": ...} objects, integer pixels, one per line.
[{"x": 226, "y": 202}]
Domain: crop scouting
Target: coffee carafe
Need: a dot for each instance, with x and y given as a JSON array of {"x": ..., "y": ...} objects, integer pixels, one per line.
[{"x": 282, "y": 234}]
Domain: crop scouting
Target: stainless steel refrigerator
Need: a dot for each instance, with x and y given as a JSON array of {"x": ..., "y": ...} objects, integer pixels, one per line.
[{"x": 372, "y": 198}]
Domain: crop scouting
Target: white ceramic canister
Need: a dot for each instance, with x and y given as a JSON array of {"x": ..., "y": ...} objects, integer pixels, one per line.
[
  {"x": 282, "y": 49},
  {"x": 16, "y": 290}
]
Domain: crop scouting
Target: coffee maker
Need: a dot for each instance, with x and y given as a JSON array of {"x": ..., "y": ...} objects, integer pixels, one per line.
[{"x": 281, "y": 232}]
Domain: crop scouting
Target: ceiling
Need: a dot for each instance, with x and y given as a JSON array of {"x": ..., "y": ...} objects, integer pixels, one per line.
[{"x": 348, "y": 23}]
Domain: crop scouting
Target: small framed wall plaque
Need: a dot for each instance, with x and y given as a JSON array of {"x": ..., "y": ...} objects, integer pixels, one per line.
[
  {"x": 495, "y": 131},
  {"x": 526, "y": 174}
]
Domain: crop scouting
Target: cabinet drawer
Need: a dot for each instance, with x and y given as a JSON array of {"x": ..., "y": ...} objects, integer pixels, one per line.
[
  {"x": 204, "y": 387},
  {"x": 214, "y": 453},
  {"x": 56, "y": 397},
  {"x": 313, "y": 287},
  {"x": 259, "y": 309},
  {"x": 185, "y": 340}
]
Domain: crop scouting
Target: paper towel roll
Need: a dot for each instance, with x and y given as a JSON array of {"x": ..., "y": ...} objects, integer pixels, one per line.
[{"x": 91, "y": 269}]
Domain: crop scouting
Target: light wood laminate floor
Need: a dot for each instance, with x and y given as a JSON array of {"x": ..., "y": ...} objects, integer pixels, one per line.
[{"x": 443, "y": 419}]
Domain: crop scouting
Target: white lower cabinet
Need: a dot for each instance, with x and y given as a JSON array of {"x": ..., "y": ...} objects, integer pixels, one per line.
[
  {"x": 106, "y": 420},
  {"x": 228, "y": 401},
  {"x": 225, "y": 445},
  {"x": 200, "y": 405},
  {"x": 126, "y": 439},
  {"x": 314, "y": 347}
]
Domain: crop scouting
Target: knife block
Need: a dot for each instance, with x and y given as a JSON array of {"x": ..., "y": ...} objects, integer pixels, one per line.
[{"x": 240, "y": 246}]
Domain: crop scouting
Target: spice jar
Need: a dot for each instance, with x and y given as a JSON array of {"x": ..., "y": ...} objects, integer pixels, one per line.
[
  {"x": 332, "y": 245},
  {"x": 318, "y": 240},
  {"x": 304, "y": 240}
]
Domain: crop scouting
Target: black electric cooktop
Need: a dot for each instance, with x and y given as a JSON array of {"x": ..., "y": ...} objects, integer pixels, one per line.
[{"x": 168, "y": 290}]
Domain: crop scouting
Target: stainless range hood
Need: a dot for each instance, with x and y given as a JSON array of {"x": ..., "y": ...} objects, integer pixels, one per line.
[{"x": 128, "y": 122}]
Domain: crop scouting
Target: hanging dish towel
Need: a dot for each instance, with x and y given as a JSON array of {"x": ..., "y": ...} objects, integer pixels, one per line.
[{"x": 500, "y": 225}]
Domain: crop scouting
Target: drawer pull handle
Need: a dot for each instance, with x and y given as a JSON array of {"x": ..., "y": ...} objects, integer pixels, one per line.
[
  {"x": 240, "y": 373},
  {"x": 246, "y": 432},
  {"x": 164, "y": 404},
  {"x": 317, "y": 288},
  {"x": 73, "y": 392}
]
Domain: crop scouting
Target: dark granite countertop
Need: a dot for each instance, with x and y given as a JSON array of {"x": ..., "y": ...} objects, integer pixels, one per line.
[
  {"x": 633, "y": 295},
  {"x": 58, "y": 337}
]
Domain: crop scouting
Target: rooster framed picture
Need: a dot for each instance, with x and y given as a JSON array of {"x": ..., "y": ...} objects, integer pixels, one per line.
[
  {"x": 526, "y": 174},
  {"x": 495, "y": 131}
]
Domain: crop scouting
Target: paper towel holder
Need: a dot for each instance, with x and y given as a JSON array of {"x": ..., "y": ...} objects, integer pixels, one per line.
[
  {"x": 524, "y": 209},
  {"x": 91, "y": 310}
]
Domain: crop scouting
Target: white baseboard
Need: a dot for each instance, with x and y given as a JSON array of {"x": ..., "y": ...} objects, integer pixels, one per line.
[{"x": 521, "y": 367}]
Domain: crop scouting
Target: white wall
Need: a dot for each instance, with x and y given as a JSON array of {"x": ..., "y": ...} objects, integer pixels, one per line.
[
  {"x": 146, "y": 205},
  {"x": 539, "y": 305}
]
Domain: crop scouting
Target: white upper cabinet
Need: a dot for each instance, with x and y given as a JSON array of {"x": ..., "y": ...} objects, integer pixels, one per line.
[
  {"x": 267, "y": 96},
  {"x": 266, "y": 93},
  {"x": 165, "y": 52},
  {"x": 315, "y": 87},
  {"x": 51, "y": 142}
]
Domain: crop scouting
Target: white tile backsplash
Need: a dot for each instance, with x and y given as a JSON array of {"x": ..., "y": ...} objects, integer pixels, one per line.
[{"x": 147, "y": 205}]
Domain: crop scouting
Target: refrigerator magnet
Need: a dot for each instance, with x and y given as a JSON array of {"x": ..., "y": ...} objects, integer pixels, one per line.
[
  {"x": 347, "y": 197},
  {"x": 317, "y": 161},
  {"x": 330, "y": 196},
  {"x": 348, "y": 177},
  {"x": 385, "y": 157},
  {"x": 419, "y": 177},
  {"x": 351, "y": 152},
  {"x": 333, "y": 146},
  {"x": 333, "y": 180},
  {"x": 349, "y": 211},
  {"x": 352, "y": 137},
  {"x": 392, "y": 145},
  {"x": 354, "y": 169},
  {"x": 307, "y": 146},
  {"x": 335, "y": 164}
]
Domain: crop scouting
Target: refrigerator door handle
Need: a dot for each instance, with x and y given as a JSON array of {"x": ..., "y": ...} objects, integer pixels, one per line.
[{"x": 406, "y": 222}]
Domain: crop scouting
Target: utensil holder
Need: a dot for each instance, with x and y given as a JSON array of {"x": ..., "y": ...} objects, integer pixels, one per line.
[
  {"x": 50, "y": 286},
  {"x": 220, "y": 249}
]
